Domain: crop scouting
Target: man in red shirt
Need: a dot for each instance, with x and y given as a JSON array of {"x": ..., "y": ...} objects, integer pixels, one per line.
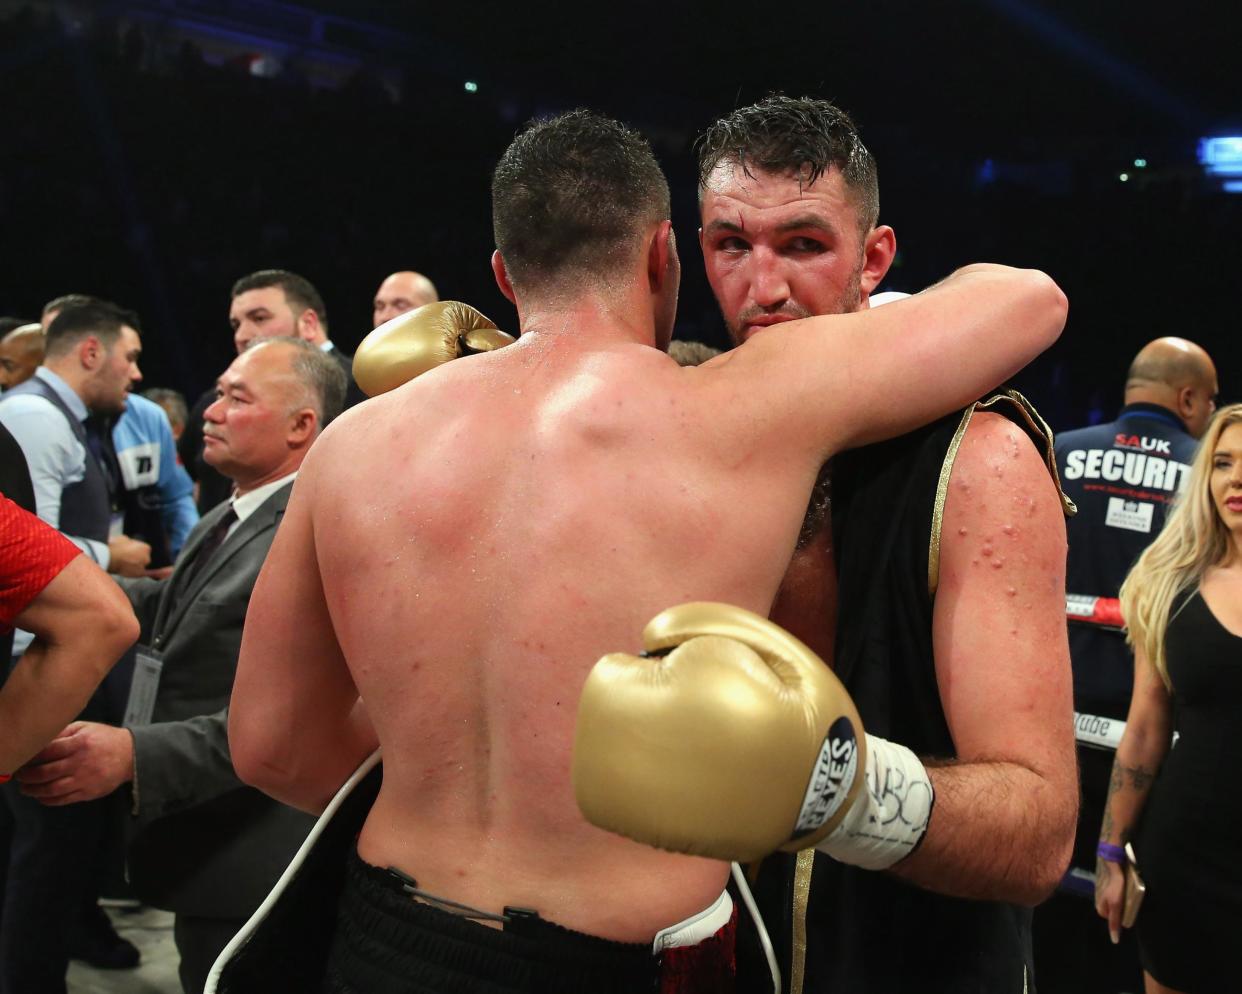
[{"x": 81, "y": 621}]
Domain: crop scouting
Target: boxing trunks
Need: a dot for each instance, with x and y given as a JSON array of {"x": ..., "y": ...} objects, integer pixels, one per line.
[{"x": 338, "y": 925}]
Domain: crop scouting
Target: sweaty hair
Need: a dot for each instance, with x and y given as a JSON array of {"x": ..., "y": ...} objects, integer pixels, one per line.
[
  {"x": 1193, "y": 539},
  {"x": 298, "y": 290},
  {"x": 803, "y": 136},
  {"x": 571, "y": 198},
  {"x": 321, "y": 377},
  {"x": 75, "y": 322},
  {"x": 686, "y": 353}
]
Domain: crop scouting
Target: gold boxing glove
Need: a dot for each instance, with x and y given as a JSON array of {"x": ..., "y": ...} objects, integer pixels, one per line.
[
  {"x": 730, "y": 739},
  {"x": 421, "y": 339}
]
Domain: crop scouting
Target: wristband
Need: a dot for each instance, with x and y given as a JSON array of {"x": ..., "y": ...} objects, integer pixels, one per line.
[
  {"x": 891, "y": 813},
  {"x": 1111, "y": 853}
]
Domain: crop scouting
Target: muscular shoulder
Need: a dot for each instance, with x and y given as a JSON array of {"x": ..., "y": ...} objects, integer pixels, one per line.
[{"x": 1000, "y": 482}]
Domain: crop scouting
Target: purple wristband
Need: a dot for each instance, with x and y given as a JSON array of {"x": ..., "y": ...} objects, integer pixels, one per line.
[{"x": 1111, "y": 853}]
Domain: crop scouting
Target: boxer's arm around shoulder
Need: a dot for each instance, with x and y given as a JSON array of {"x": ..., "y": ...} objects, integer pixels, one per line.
[
  {"x": 297, "y": 728},
  {"x": 1003, "y": 823},
  {"x": 83, "y": 624},
  {"x": 851, "y": 379}
]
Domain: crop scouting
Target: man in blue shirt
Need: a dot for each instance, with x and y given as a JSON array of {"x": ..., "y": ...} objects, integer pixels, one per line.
[{"x": 158, "y": 494}]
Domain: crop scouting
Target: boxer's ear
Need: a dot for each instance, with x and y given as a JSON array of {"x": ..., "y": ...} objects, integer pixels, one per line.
[
  {"x": 661, "y": 256},
  {"x": 879, "y": 248},
  {"x": 502, "y": 277}
]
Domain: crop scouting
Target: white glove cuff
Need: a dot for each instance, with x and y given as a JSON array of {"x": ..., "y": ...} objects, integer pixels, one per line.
[{"x": 890, "y": 815}]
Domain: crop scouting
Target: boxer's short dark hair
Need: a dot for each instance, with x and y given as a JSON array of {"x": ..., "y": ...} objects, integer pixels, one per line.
[
  {"x": 570, "y": 199},
  {"x": 805, "y": 136},
  {"x": 298, "y": 290}
]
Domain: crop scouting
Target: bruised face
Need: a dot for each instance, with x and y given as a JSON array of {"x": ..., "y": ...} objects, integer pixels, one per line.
[{"x": 778, "y": 249}]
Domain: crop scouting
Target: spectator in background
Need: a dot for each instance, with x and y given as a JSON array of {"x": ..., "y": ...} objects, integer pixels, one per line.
[
  {"x": 174, "y": 406},
  {"x": 205, "y": 846},
  {"x": 1182, "y": 604},
  {"x": 21, "y": 353},
  {"x": 1124, "y": 476},
  {"x": 270, "y": 303},
  {"x": 401, "y": 292},
  {"x": 157, "y": 494},
  {"x": 278, "y": 302}
]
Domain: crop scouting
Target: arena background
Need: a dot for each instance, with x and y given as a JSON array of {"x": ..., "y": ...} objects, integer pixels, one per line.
[{"x": 154, "y": 152}]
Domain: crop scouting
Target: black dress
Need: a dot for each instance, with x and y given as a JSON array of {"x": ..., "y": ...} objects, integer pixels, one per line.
[{"x": 1189, "y": 845}]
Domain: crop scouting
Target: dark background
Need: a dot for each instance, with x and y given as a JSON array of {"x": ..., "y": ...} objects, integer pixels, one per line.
[{"x": 154, "y": 152}]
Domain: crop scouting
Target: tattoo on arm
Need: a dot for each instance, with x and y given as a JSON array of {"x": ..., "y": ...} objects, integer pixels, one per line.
[
  {"x": 1140, "y": 779},
  {"x": 1137, "y": 778}
]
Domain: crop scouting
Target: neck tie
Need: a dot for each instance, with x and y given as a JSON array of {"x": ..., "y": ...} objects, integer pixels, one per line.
[
  {"x": 99, "y": 441},
  {"x": 211, "y": 543}
]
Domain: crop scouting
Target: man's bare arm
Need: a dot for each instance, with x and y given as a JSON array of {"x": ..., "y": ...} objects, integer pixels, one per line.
[
  {"x": 851, "y": 379},
  {"x": 83, "y": 624},
  {"x": 1003, "y": 823},
  {"x": 297, "y": 728}
]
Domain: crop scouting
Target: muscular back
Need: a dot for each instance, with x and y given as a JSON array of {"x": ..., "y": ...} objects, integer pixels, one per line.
[{"x": 530, "y": 511}]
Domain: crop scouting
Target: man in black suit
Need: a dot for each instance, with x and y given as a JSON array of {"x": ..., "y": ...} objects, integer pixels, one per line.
[
  {"x": 269, "y": 303},
  {"x": 203, "y": 845}
]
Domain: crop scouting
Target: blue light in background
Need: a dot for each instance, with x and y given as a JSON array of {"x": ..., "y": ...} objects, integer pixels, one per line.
[{"x": 1221, "y": 156}]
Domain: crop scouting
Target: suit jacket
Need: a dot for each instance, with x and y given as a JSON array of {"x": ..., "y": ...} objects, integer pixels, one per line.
[
  {"x": 353, "y": 392},
  {"x": 202, "y": 842}
]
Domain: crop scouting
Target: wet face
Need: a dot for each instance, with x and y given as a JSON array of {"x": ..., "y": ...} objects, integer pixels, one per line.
[
  {"x": 116, "y": 374},
  {"x": 246, "y": 430},
  {"x": 17, "y": 361},
  {"x": 261, "y": 313},
  {"x": 777, "y": 249},
  {"x": 1226, "y": 480}
]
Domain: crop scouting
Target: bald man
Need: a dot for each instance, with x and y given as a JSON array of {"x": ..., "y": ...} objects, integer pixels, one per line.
[
  {"x": 1123, "y": 476},
  {"x": 401, "y": 292},
  {"x": 21, "y": 353}
]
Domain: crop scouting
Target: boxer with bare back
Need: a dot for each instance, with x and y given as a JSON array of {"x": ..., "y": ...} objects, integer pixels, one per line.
[{"x": 458, "y": 553}]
